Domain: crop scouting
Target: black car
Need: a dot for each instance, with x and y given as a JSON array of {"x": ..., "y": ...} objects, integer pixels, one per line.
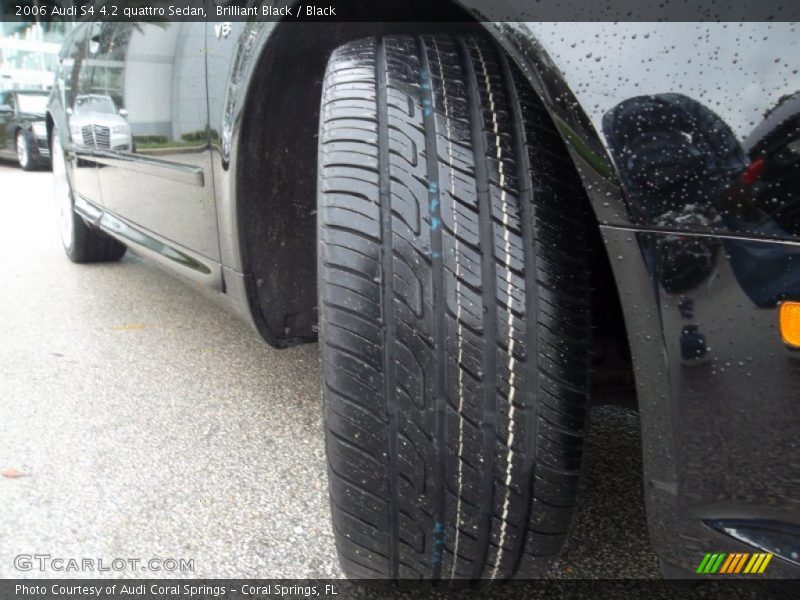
[
  {"x": 486, "y": 225},
  {"x": 23, "y": 131}
]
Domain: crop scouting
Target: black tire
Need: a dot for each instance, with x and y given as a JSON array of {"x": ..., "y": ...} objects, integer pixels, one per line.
[
  {"x": 90, "y": 245},
  {"x": 82, "y": 243},
  {"x": 454, "y": 312}
]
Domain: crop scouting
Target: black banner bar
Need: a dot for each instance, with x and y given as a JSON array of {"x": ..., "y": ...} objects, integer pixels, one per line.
[
  {"x": 338, "y": 589},
  {"x": 400, "y": 10}
]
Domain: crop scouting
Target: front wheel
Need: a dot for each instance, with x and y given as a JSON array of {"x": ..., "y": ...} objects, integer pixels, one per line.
[
  {"x": 82, "y": 243},
  {"x": 454, "y": 312}
]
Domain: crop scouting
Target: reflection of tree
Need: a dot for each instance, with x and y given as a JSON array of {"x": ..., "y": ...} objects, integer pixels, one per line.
[
  {"x": 109, "y": 40},
  {"x": 782, "y": 101},
  {"x": 109, "y": 43},
  {"x": 78, "y": 54},
  {"x": 113, "y": 39},
  {"x": 672, "y": 152}
]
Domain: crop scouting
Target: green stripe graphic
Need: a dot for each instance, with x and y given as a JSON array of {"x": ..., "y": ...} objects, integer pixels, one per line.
[
  {"x": 711, "y": 562},
  {"x": 717, "y": 564},
  {"x": 701, "y": 568}
]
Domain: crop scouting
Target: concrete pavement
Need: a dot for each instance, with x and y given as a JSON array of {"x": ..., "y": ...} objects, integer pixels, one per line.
[{"x": 146, "y": 422}]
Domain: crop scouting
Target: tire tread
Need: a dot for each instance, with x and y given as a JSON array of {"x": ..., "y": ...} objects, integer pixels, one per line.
[{"x": 454, "y": 312}]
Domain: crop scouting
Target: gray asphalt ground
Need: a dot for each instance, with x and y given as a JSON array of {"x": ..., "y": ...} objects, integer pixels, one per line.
[{"x": 149, "y": 423}]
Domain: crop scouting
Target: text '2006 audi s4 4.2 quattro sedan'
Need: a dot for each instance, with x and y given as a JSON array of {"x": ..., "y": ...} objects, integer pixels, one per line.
[{"x": 484, "y": 224}]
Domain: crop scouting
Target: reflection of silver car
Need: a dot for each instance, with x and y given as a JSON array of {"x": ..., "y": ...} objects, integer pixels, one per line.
[{"x": 95, "y": 121}]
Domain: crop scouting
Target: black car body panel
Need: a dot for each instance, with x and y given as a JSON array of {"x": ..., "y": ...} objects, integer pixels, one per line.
[
  {"x": 719, "y": 418},
  {"x": 686, "y": 139},
  {"x": 19, "y": 118},
  {"x": 689, "y": 216}
]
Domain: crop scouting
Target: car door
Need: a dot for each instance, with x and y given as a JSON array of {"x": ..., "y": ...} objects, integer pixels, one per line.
[
  {"x": 150, "y": 112},
  {"x": 72, "y": 81}
]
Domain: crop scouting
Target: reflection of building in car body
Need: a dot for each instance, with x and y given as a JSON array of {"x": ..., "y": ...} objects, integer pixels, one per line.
[
  {"x": 96, "y": 121},
  {"x": 138, "y": 66}
]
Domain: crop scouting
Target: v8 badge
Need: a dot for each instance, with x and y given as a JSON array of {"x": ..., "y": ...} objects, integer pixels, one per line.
[{"x": 222, "y": 30}]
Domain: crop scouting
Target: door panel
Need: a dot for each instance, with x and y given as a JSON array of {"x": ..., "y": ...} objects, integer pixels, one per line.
[
  {"x": 73, "y": 82},
  {"x": 151, "y": 117}
]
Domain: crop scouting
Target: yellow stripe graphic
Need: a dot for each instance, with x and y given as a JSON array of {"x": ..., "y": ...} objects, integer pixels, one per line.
[
  {"x": 760, "y": 560},
  {"x": 755, "y": 558},
  {"x": 765, "y": 563}
]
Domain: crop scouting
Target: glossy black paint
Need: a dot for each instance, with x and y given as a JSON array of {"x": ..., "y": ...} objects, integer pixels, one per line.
[
  {"x": 717, "y": 391},
  {"x": 135, "y": 110},
  {"x": 15, "y": 118},
  {"x": 698, "y": 212},
  {"x": 686, "y": 139}
]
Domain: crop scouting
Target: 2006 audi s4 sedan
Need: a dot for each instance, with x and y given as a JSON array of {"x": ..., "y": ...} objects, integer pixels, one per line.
[{"x": 485, "y": 225}]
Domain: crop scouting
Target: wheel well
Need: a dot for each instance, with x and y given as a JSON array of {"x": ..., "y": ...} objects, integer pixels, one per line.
[
  {"x": 50, "y": 124},
  {"x": 276, "y": 187},
  {"x": 276, "y": 190}
]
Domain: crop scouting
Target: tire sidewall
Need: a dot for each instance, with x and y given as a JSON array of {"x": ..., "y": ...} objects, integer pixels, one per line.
[{"x": 57, "y": 156}]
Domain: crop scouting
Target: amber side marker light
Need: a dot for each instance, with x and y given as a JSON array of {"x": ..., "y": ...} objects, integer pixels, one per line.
[{"x": 790, "y": 323}]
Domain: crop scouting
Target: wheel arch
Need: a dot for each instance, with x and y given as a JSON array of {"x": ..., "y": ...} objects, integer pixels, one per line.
[
  {"x": 276, "y": 164},
  {"x": 50, "y": 125}
]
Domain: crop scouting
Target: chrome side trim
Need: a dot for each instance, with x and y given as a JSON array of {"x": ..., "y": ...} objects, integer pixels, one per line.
[
  {"x": 87, "y": 210},
  {"x": 149, "y": 166},
  {"x": 183, "y": 261}
]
